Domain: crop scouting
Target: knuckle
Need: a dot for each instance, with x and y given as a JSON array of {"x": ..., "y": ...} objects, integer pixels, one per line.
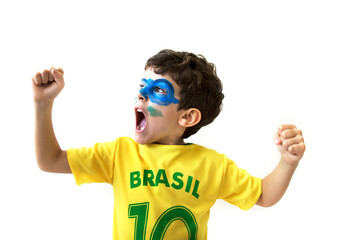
[
  {"x": 37, "y": 77},
  {"x": 291, "y": 149},
  {"x": 287, "y": 133},
  {"x": 45, "y": 76},
  {"x": 286, "y": 144}
]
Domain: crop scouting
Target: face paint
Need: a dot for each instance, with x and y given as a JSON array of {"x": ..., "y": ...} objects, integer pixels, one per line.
[
  {"x": 160, "y": 91},
  {"x": 154, "y": 112}
]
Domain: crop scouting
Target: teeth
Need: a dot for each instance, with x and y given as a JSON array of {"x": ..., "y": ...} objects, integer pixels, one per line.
[{"x": 138, "y": 110}]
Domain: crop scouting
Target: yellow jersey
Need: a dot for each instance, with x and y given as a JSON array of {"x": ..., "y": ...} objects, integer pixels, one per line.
[{"x": 163, "y": 191}]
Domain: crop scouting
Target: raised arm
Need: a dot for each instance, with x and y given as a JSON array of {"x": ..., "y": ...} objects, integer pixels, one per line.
[
  {"x": 290, "y": 143},
  {"x": 46, "y": 87}
]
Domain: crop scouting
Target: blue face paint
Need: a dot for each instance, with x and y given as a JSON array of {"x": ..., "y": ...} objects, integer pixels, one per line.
[{"x": 160, "y": 91}]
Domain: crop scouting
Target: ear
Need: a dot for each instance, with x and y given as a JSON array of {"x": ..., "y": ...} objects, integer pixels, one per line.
[{"x": 190, "y": 117}]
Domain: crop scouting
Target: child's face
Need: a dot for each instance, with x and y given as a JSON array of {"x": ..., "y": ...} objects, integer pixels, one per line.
[{"x": 156, "y": 114}]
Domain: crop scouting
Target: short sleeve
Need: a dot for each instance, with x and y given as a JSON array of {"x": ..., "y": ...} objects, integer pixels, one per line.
[
  {"x": 238, "y": 187},
  {"x": 93, "y": 164}
]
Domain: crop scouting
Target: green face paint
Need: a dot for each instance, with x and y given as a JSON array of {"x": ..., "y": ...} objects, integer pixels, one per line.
[{"x": 154, "y": 112}]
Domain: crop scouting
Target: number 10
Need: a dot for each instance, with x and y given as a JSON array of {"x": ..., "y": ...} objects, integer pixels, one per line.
[{"x": 139, "y": 211}]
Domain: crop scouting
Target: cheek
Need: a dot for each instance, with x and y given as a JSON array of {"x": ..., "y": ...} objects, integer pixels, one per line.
[
  {"x": 154, "y": 112},
  {"x": 168, "y": 115}
]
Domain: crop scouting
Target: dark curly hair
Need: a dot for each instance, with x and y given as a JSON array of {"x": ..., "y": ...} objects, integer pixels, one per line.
[{"x": 200, "y": 86}]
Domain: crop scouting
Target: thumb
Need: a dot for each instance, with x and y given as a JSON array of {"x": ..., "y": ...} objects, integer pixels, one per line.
[
  {"x": 277, "y": 139},
  {"x": 278, "y": 142},
  {"x": 58, "y": 75},
  {"x": 60, "y": 70}
]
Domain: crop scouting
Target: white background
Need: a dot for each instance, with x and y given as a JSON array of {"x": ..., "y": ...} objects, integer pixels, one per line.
[{"x": 280, "y": 62}]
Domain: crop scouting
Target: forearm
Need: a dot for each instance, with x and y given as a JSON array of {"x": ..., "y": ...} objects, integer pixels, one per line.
[
  {"x": 47, "y": 148},
  {"x": 275, "y": 184}
]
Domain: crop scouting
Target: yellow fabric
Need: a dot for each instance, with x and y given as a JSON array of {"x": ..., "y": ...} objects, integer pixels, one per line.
[{"x": 163, "y": 190}]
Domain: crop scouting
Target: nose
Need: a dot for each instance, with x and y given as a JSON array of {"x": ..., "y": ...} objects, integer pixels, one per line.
[{"x": 141, "y": 96}]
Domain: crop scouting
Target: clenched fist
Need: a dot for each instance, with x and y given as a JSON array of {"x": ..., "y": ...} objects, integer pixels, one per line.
[
  {"x": 290, "y": 142},
  {"x": 47, "y": 85}
]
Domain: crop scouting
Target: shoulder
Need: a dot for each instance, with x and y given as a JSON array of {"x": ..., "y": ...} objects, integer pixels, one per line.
[
  {"x": 126, "y": 140},
  {"x": 207, "y": 154}
]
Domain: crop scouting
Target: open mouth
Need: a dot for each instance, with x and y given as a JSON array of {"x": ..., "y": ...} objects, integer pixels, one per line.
[{"x": 140, "y": 120}]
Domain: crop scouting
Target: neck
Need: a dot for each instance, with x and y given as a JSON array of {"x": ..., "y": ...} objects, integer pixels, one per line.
[{"x": 174, "y": 142}]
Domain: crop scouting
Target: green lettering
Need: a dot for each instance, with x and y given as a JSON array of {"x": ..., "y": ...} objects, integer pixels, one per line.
[
  {"x": 140, "y": 213},
  {"x": 149, "y": 177},
  {"x": 135, "y": 179},
  {"x": 173, "y": 214},
  {"x": 194, "y": 192},
  {"x": 177, "y": 178},
  {"x": 161, "y": 178},
  {"x": 188, "y": 184}
]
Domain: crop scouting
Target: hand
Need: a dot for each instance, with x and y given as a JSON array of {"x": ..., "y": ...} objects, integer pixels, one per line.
[
  {"x": 47, "y": 85},
  {"x": 290, "y": 142}
]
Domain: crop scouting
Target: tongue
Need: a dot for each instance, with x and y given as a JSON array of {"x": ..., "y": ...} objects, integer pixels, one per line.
[{"x": 142, "y": 123}]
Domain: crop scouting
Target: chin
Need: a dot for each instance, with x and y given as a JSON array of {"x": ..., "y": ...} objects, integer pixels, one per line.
[{"x": 141, "y": 140}]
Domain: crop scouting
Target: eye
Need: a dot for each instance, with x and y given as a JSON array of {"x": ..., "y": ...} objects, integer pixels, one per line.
[
  {"x": 142, "y": 85},
  {"x": 159, "y": 90}
]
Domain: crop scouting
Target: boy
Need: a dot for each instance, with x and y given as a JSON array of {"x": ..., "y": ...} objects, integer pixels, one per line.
[{"x": 158, "y": 179}]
